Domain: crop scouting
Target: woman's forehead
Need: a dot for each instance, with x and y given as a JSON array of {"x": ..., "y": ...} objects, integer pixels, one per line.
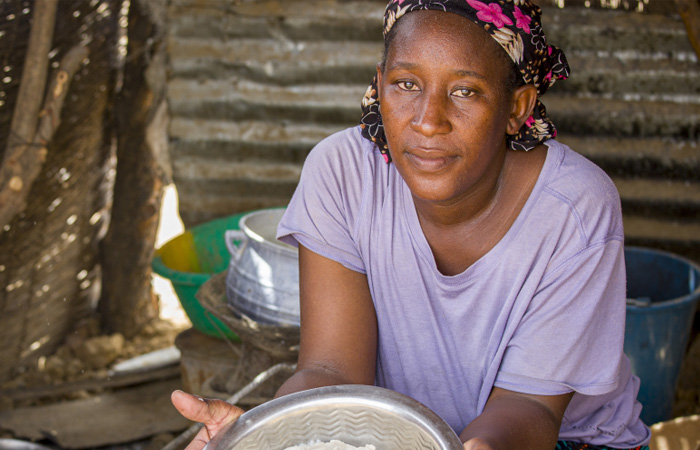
[
  {"x": 433, "y": 18},
  {"x": 442, "y": 35}
]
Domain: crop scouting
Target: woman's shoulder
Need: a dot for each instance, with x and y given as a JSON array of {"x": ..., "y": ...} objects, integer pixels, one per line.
[
  {"x": 575, "y": 174},
  {"x": 584, "y": 189},
  {"x": 341, "y": 149},
  {"x": 328, "y": 202},
  {"x": 344, "y": 164}
]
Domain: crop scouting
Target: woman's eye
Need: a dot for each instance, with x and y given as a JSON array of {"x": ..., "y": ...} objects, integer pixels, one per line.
[
  {"x": 463, "y": 92},
  {"x": 407, "y": 85}
]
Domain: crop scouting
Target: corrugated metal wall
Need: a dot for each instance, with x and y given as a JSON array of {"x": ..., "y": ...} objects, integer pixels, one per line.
[{"x": 255, "y": 84}]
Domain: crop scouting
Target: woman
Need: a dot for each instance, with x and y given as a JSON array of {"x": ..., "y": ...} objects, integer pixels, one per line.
[{"x": 487, "y": 283}]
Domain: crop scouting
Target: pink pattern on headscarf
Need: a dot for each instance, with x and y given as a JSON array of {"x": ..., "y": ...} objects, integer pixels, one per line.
[
  {"x": 530, "y": 122},
  {"x": 522, "y": 21},
  {"x": 490, "y": 13}
]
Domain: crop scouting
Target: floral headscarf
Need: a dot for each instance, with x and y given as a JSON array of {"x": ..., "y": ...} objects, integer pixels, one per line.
[{"x": 516, "y": 26}]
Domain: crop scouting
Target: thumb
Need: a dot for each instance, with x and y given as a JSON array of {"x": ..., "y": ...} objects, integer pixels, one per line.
[
  {"x": 213, "y": 413},
  {"x": 477, "y": 444}
]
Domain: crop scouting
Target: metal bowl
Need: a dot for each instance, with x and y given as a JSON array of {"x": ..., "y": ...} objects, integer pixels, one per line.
[
  {"x": 355, "y": 414},
  {"x": 16, "y": 444}
]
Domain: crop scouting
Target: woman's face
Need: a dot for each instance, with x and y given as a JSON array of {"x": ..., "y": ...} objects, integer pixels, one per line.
[{"x": 445, "y": 106}]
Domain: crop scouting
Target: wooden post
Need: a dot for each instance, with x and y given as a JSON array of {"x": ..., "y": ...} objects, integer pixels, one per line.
[
  {"x": 22, "y": 160},
  {"x": 127, "y": 301}
]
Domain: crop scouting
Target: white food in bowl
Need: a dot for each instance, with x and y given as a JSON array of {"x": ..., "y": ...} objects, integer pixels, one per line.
[{"x": 332, "y": 445}]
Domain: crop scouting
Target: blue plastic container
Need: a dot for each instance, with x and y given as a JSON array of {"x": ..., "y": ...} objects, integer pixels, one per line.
[{"x": 662, "y": 290}]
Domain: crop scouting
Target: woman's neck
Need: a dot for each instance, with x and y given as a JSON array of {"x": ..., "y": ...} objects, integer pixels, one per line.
[{"x": 462, "y": 232}]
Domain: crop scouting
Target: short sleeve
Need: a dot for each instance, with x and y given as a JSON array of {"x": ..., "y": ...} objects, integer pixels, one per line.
[
  {"x": 571, "y": 336},
  {"x": 322, "y": 212}
]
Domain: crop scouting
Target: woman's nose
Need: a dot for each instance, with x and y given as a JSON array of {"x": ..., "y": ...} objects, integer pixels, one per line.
[{"x": 430, "y": 117}]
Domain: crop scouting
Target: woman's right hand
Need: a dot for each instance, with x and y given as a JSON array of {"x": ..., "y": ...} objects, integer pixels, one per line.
[{"x": 214, "y": 414}]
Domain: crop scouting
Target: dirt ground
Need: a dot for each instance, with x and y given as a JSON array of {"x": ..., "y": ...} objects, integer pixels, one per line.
[
  {"x": 86, "y": 359},
  {"x": 87, "y": 355}
]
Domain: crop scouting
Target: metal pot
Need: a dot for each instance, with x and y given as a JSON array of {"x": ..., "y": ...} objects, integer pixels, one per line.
[{"x": 262, "y": 281}]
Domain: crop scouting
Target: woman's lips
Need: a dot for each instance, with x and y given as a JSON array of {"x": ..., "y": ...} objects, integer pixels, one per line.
[{"x": 429, "y": 160}]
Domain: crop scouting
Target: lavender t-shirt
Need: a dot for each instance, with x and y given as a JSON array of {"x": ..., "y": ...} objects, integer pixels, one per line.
[{"x": 542, "y": 313}]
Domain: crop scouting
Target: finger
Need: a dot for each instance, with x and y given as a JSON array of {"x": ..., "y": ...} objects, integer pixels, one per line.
[
  {"x": 477, "y": 444},
  {"x": 213, "y": 413},
  {"x": 190, "y": 406},
  {"x": 200, "y": 440}
]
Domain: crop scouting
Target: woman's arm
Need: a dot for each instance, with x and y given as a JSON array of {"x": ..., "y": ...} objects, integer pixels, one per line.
[
  {"x": 338, "y": 341},
  {"x": 514, "y": 420},
  {"x": 338, "y": 326}
]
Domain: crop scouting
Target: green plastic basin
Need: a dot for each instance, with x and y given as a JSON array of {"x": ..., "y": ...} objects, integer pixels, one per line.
[{"x": 189, "y": 260}]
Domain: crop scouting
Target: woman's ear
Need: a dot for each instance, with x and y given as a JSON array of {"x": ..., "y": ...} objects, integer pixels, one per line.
[
  {"x": 379, "y": 80},
  {"x": 524, "y": 100}
]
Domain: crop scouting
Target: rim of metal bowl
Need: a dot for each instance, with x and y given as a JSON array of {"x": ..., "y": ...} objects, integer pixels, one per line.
[{"x": 373, "y": 397}]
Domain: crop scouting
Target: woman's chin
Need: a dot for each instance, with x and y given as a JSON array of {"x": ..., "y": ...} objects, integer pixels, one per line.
[{"x": 433, "y": 193}]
